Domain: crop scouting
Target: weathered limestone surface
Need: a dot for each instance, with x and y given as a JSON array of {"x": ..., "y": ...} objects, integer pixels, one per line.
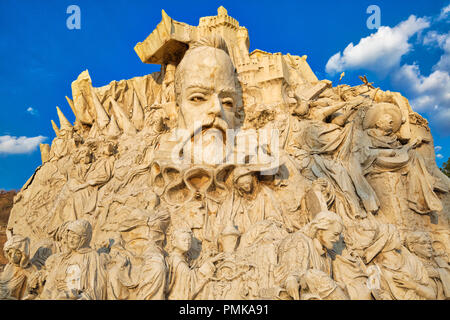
[{"x": 231, "y": 174}]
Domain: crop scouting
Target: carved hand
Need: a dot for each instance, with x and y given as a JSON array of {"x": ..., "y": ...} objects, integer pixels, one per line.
[
  {"x": 405, "y": 283},
  {"x": 61, "y": 285}
]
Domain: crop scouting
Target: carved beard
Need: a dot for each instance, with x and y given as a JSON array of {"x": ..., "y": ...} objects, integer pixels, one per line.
[{"x": 209, "y": 146}]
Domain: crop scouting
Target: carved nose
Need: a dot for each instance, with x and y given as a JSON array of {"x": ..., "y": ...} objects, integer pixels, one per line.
[{"x": 216, "y": 106}]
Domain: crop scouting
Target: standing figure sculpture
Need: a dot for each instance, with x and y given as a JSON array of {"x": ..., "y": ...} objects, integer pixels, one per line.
[
  {"x": 186, "y": 282},
  {"x": 15, "y": 278},
  {"x": 80, "y": 272},
  {"x": 249, "y": 202}
]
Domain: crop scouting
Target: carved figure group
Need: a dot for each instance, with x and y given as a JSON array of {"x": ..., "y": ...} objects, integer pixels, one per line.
[{"x": 152, "y": 193}]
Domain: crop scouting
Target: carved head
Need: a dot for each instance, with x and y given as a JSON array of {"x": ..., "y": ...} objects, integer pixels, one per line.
[
  {"x": 245, "y": 184},
  {"x": 79, "y": 234},
  {"x": 387, "y": 117},
  {"x": 17, "y": 250},
  {"x": 244, "y": 180},
  {"x": 206, "y": 86},
  {"x": 385, "y": 123},
  {"x": 420, "y": 243},
  {"x": 182, "y": 239},
  {"x": 326, "y": 227}
]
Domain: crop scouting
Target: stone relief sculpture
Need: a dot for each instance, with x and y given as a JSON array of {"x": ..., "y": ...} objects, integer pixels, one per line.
[
  {"x": 389, "y": 155},
  {"x": 231, "y": 174},
  {"x": 185, "y": 282},
  {"x": 420, "y": 243},
  {"x": 78, "y": 273},
  {"x": 306, "y": 259},
  {"x": 15, "y": 278},
  {"x": 403, "y": 276}
]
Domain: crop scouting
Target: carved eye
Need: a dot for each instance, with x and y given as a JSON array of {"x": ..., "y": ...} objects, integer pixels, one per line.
[
  {"x": 228, "y": 102},
  {"x": 197, "y": 98}
]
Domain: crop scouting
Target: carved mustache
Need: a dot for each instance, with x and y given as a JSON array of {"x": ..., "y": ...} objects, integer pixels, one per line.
[{"x": 211, "y": 122}]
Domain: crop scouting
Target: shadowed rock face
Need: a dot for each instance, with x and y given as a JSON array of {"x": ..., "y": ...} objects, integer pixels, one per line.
[
  {"x": 231, "y": 175},
  {"x": 6, "y": 204}
]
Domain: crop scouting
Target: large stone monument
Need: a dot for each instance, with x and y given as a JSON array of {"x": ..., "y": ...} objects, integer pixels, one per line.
[{"x": 231, "y": 174}]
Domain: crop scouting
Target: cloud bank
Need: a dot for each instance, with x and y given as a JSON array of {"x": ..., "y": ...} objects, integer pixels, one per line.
[
  {"x": 381, "y": 51},
  {"x": 19, "y": 145}
]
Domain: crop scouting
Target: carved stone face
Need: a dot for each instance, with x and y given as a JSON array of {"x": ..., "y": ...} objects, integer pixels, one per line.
[
  {"x": 15, "y": 256},
  {"x": 422, "y": 247},
  {"x": 183, "y": 241},
  {"x": 208, "y": 91},
  {"x": 245, "y": 183},
  {"x": 385, "y": 123},
  {"x": 330, "y": 236},
  {"x": 73, "y": 240}
]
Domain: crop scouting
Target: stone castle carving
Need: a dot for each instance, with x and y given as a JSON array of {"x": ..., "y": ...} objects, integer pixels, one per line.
[{"x": 231, "y": 175}]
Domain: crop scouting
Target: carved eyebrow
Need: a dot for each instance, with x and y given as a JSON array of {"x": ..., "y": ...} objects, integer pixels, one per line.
[
  {"x": 226, "y": 91},
  {"x": 199, "y": 86}
]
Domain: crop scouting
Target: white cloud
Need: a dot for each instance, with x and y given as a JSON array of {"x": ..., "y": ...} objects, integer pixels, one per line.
[
  {"x": 19, "y": 145},
  {"x": 444, "y": 12},
  {"x": 438, "y": 148},
  {"x": 441, "y": 40},
  {"x": 32, "y": 111},
  {"x": 430, "y": 94},
  {"x": 439, "y": 156},
  {"x": 381, "y": 51},
  {"x": 434, "y": 38}
]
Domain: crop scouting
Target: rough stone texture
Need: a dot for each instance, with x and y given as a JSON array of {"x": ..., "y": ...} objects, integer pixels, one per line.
[
  {"x": 6, "y": 204},
  {"x": 324, "y": 192}
]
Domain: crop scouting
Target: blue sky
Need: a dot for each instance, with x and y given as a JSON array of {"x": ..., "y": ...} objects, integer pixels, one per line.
[{"x": 40, "y": 56}]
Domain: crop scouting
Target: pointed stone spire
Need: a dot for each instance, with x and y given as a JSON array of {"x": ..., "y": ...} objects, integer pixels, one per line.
[
  {"x": 77, "y": 123},
  {"x": 82, "y": 110},
  {"x": 113, "y": 129},
  {"x": 93, "y": 131},
  {"x": 63, "y": 122},
  {"x": 102, "y": 116},
  {"x": 138, "y": 113},
  {"x": 122, "y": 119},
  {"x": 72, "y": 106},
  {"x": 221, "y": 11},
  {"x": 165, "y": 17},
  {"x": 55, "y": 128}
]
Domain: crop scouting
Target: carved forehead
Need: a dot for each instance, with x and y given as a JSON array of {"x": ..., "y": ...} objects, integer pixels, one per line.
[
  {"x": 207, "y": 67},
  {"x": 335, "y": 226},
  {"x": 385, "y": 116}
]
